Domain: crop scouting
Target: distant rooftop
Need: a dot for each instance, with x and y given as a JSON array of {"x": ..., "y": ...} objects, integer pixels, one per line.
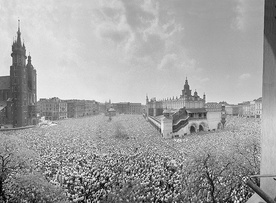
[{"x": 197, "y": 110}]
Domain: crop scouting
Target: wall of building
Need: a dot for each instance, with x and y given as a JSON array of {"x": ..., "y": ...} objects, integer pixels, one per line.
[
  {"x": 268, "y": 139},
  {"x": 52, "y": 109},
  {"x": 128, "y": 108},
  {"x": 166, "y": 127},
  {"x": 81, "y": 108},
  {"x": 213, "y": 119}
]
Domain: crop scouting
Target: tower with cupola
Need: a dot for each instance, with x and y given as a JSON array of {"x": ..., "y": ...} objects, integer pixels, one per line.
[{"x": 186, "y": 92}]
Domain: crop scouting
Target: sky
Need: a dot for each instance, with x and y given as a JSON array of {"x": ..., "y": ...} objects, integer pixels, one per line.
[{"x": 124, "y": 50}]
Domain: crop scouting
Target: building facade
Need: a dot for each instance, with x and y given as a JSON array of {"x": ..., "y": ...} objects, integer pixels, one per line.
[
  {"x": 52, "y": 109},
  {"x": 178, "y": 123},
  {"x": 128, "y": 108},
  {"x": 186, "y": 99},
  {"x": 18, "y": 92},
  {"x": 232, "y": 110},
  {"x": 187, "y": 114},
  {"x": 251, "y": 108},
  {"x": 80, "y": 108},
  {"x": 258, "y": 107}
]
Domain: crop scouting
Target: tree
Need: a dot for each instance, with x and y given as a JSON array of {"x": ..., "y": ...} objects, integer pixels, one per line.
[
  {"x": 213, "y": 177},
  {"x": 33, "y": 187},
  {"x": 14, "y": 158},
  {"x": 19, "y": 182}
]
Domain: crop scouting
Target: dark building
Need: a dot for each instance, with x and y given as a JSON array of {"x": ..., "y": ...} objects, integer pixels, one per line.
[
  {"x": 128, "y": 108},
  {"x": 18, "y": 91},
  {"x": 81, "y": 108}
]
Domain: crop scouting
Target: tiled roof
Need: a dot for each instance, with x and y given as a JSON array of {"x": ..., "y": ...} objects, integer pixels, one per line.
[
  {"x": 197, "y": 110},
  {"x": 4, "y": 82}
]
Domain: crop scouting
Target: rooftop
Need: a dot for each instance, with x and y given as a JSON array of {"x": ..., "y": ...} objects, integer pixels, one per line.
[{"x": 197, "y": 110}]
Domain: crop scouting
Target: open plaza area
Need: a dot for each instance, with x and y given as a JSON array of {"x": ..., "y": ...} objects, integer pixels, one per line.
[{"x": 94, "y": 159}]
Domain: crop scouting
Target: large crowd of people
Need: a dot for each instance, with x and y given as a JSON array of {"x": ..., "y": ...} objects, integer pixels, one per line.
[{"x": 124, "y": 160}]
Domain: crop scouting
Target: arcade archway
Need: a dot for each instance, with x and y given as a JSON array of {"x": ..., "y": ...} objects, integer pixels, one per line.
[
  {"x": 201, "y": 128},
  {"x": 192, "y": 129}
]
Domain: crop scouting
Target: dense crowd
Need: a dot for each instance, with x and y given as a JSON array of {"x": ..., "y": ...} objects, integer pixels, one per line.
[{"x": 125, "y": 159}]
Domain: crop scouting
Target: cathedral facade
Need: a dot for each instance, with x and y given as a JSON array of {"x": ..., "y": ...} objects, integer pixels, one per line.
[{"x": 18, "y": 92}]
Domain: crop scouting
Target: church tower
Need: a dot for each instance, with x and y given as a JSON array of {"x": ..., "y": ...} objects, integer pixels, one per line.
[
  {"x": 22, "y": 83},
  {"x": 186, "y": 91},
  {"x": 32, "y": 92},
  {"x": 18, "y": 83}
]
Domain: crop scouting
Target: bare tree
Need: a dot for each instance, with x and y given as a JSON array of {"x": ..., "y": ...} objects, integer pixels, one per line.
[
  {"x": 18, "y": 181},
  {"x": 14, "y": 158},
  {"x": 216, "y": 178},
  {"x": 33, "y": 187}
]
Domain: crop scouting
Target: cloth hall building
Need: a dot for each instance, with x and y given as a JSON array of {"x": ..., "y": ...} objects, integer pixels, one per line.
[{"x": 176, "y": 117}]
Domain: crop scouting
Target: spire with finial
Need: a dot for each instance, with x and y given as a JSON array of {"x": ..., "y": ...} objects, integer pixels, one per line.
[
  {"x": 18, "y": 25},
  {"x": 18, "y": 34},
  {"x": 186, "y": 82},
  {"x": 29, "y": 58}
]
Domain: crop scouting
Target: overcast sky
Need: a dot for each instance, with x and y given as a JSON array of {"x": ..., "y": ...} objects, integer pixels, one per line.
[{"x": 124, "y": 49}]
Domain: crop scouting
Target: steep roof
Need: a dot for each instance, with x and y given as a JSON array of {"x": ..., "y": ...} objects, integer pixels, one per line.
[{"x": 4, "y": 82}]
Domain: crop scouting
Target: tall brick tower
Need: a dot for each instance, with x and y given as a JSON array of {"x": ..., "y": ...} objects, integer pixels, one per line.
[{"x": 22, "y": 101}]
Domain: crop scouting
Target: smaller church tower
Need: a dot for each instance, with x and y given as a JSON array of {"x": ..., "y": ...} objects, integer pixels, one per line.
[{"x": 32, "y": 92}]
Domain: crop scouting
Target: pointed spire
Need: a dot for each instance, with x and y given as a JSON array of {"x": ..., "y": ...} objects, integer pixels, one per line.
[
  {"x": 29, "y": 59},
  {"x": 18, "y": 34},
  {"x": 186, "y": 81},
  {"x": 18, "y": 25}
]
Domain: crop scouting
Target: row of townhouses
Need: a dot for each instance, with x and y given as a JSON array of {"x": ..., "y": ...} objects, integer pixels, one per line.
[
  {"x": 123, "y": 107},
  {"x": 57, "y": 109},
  {"x": 245, "y": 109}
]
